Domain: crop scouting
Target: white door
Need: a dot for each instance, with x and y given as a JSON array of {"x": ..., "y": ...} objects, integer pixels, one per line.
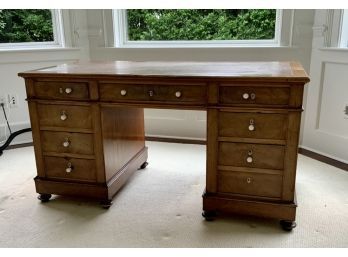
[{"x": 325, "y": 128}]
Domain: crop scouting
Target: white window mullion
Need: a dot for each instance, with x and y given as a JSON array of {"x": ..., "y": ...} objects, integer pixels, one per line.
[
  {"x": 57, "y": 27},
  {"x": 121, "y": 27},
  {"x": 344, "y": 30}
]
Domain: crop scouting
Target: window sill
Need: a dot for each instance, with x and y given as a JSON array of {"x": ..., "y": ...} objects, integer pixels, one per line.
[
  {"x": 340, "y": 49},
  {"x": 54, "y": 54},
  {"x": 201, "y": 46},
  {"x": 36, "y": 49}
]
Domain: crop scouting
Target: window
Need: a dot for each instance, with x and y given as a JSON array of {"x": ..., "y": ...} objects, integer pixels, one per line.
[
  {"x": 163, "y": 27},
  {"x": 30, "y": 28}
]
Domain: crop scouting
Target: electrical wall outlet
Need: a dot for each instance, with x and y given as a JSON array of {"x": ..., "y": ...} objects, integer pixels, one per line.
[
  {"x": 3, "y": 100},
  {"x": 13, "y": 101}
]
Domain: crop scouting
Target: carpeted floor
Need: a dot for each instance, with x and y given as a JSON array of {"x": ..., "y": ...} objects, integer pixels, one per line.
[{"x": 161, "y": 207}]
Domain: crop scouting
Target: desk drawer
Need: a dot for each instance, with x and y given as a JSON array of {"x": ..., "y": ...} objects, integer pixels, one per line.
[
  {"x": 162, "y": 93},
  {"x": 65, "y": 142},
  {"x": 251, "y": 155},
  {"x": 70, "y": 168},
  {"x": 61, "y": 90},
  {"x": 253, "y": 184},
  {"x": 65, "y": 116},
  {"x": 252, "y": 125},
  {"x": 254, "y": 95}
]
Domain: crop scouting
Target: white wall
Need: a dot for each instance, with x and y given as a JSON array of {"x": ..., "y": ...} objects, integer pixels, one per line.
[
  {"x": 192, "y": 124},
  {"x": 326, "y": 125},
  {"x": 14, "y": 61}
]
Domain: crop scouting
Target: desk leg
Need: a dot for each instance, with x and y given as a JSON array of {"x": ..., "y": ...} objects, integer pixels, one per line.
[
  {"x": 144, "y": 165},
  {"x": 106, "y": 204}
]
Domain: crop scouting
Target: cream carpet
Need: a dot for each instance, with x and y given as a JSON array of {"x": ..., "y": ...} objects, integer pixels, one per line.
[{"x": 161, "y": 207}]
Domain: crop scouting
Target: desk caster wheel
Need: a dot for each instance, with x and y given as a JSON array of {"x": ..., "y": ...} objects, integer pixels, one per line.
[
  {"x": 106, "y": 204},
  {"x": 287, "y": 225},
  {"x": 44, "y": 198},
  {"x": 209, "y": 215},
  {"x": 143, "y": 166}
]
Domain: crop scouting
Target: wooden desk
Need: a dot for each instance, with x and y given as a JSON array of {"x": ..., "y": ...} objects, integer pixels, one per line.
[{"x": 88, "y": 128}]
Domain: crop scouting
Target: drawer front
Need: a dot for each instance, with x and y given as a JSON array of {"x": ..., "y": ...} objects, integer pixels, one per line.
[
  {"x": 251, "y": 155},
  {"x": 65, "y": 142},
  {"x": 120, "y": 92},
  {"x": 65, "y": 116},
  {"x": 253, "y": 184},
  {"x": 257, "y": 95},
  {"x": 61, "y": 90},
  {"x": 252, "y": 125},
  {"x": 70, "y": 168},
  {"x": 163, "y": 93}
]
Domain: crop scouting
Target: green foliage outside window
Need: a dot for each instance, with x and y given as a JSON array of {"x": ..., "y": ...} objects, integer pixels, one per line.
[
  {"x": 183, "y": 24},
  {"x": 199, "y": 24},
  {"x": 17, "y": 26}
]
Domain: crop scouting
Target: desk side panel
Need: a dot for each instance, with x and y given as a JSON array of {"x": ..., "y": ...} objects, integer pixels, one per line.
[{"x": 123, "y": 136}]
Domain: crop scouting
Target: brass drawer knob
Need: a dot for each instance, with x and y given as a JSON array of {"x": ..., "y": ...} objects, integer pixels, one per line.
[
  {"x": 178, "y": 94},
  {"x": 66, "y": 142},
  {"x": 69, "y": 168},
  {"x": 151, "y": 93},
  {"x": 63, "y": 116},
  {"x": 251, "y": 125},
  {"x": 248, "y": 180},
  {"x": 245, "y": 96},
  {"x": 249, "y": 159},
  {"x": 68, "y": 90},
  {"x": 123, "y": 92}
]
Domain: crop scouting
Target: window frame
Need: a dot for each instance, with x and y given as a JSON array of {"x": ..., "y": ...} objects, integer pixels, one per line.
[
  {"x": 282, "y": 35},
  {"x": 58, "y": 36},
  {"x": 343, "y": 34}
]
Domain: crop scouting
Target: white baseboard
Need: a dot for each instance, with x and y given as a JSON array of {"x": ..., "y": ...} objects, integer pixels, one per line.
[
  {"x": 175, "y": 137},
  {"x": 324, "y": 154}
]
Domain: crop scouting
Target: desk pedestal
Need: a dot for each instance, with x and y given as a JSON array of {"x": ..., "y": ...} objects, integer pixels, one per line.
[{"x": 215, "y": 203}]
